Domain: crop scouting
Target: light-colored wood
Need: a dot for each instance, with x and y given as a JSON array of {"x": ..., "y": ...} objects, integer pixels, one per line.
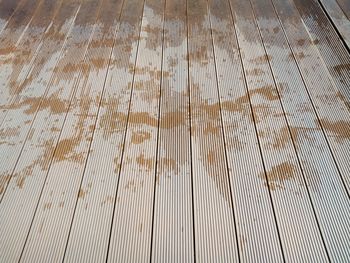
[
  {"x": 214, "y": 222},
  {"x": 256, "y": 225},
  {"x": 320, "y": 171},
  {"x": 57, "y": 203},
  {"x": 132, "y": 221},
  {"x": 173, "y": 212},
  {"x": 339, "y": 18},
  {"x": 330, "y": 105},
  {"x": 19, "y": 202},
  {"x": 293, "y": 208},
  {"x": 167, "y": 131},
  {"x": 94, "y": 213}
]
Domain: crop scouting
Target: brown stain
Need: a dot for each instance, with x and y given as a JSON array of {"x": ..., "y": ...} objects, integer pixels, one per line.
[
  {"x": 111, "y": 120},
  {"x": 54, "y": 104},
  {"x": 171, "y": 120},
  {"x": 47, "y": 206},
  {"x": 341, "y": 129},
  {"x": 268, "y": 92},
  {"x": 261, "y": 59},
  {"x": 154, "y": 33},
  {"x": 65, "y": 148},
  {"x": 42, "y": 162},
  {"x": 343, "y": 99},
  {"x": 140, "y": 137},
  {"x": 168, "y": 164},
  {"x": 301, "y": 42},
  {"x": 276, "y": 29},
  {"x": 81, "y": 193},
  {"x": 207, "y": 115},
  {"x": 143, "y": 118},
  {"x": 211, "y": 157},
  {"x": 4, "y": 178},
  {"x": 20, "y": 182},
  {"x": 279, "y": 174},
  {"x": 8, "y": 132},
  {"x": 342, "y": 69},
  {"x": 281, "y": 138},
  {"x": 255, "y": 72},
  {"x": 144, "y": 162}
]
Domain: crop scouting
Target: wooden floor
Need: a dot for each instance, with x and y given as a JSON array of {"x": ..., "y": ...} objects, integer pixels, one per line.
[{"x": 174, "y": 130}]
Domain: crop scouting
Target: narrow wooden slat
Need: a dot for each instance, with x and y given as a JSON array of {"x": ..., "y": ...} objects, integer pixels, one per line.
[
  {"x": 322, "y": 34},
  {"x": 132, "y": 222},
  {"x": 330, "y": 106},
  {"x": 327, "y": 191},
  {"x": 298, "y": 228},
  {"x": 66, "y": 170},
  {"x": 94, "y": 212},
  {"x": 215, "y": 233},
  {"x": 340, "y": 20},
  {"x": 20, "y": 114},
  {"x": 173, "y": 218},
  {"x": 256, "y": 226}
]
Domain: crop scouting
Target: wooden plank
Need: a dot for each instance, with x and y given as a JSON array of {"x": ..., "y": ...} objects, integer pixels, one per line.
[
  {"x": 67, "y": 168},
  {"x": 340, "y": 20},
  {"x": 327, "y": 191},
  {"x": 173, "y": 212},
  {"x": 300, "y": 236},
  {"x": 323, "y": 35},
  {"x": 20, "y": 114},
  {"x": 28, "y": 179},
  {"x": 7, "y": 8},
  {"x": 132, "y": 222},
  {"x": 215, "y": 233},
  {"x": 93, "y": 216},
  {"x": 345, "y": 6},
  {"x": 256, "y": 225},
  {"x": 16, "y": 65},
  {"x": 330, "y": 106}
]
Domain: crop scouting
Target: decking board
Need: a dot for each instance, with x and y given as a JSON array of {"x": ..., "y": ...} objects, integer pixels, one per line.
[{"x": 167, "y": 131}]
